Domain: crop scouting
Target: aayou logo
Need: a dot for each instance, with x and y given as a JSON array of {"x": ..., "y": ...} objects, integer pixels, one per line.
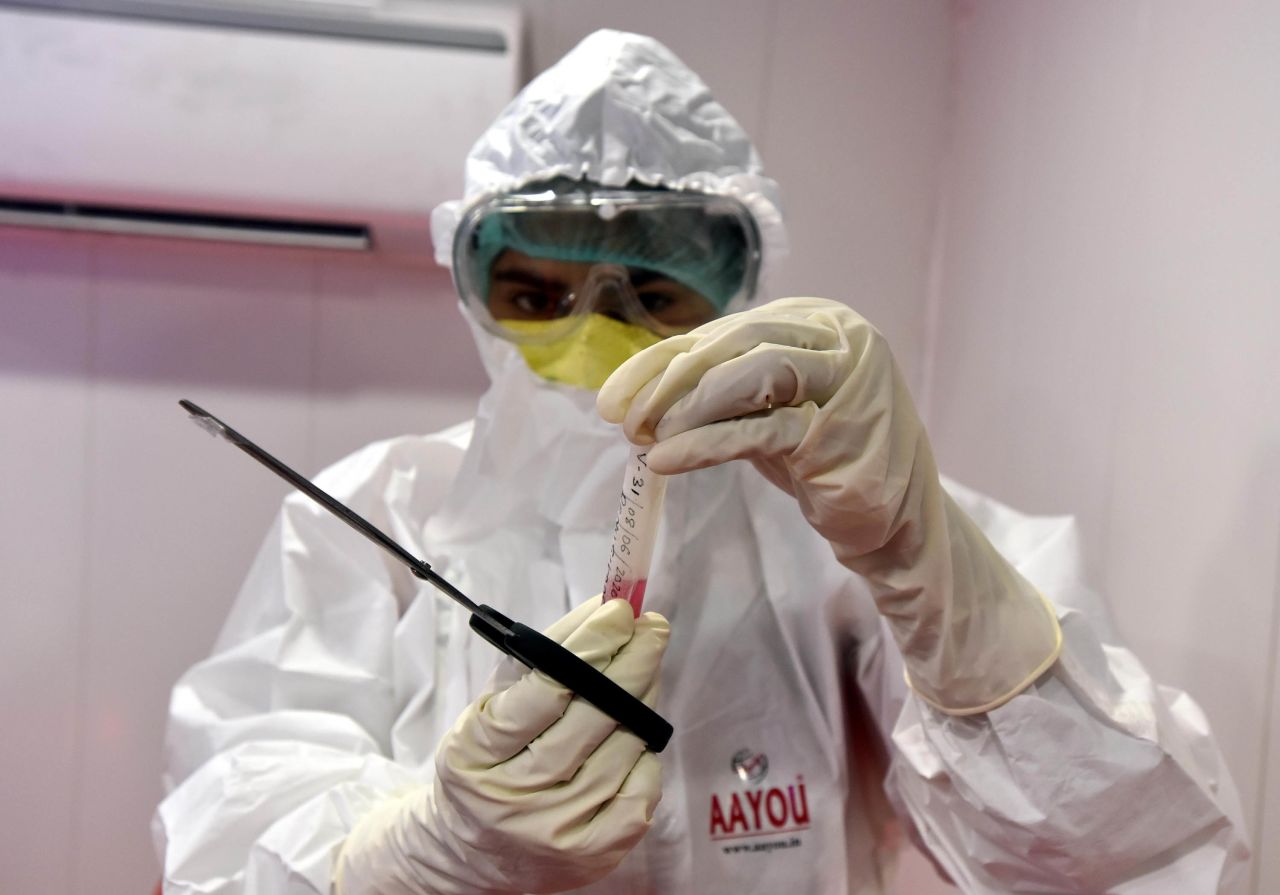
[{"x": 760, "y": 811}]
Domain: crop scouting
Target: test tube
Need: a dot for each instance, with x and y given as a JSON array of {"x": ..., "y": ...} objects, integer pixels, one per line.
[{"x": 639, "y": 509}]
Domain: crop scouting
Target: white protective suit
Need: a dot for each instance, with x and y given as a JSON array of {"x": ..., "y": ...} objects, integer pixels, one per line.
[{"x": 337, "y": 672}]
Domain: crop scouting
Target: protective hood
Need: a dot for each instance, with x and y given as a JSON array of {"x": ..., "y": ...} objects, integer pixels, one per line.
[{"x": 618, "y": 109}]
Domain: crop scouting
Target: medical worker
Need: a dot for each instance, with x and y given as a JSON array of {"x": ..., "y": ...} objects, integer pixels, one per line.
[{"x": 846, "y": 644}]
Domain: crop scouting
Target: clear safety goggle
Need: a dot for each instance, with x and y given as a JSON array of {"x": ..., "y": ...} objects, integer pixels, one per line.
[{"x": 668, "y": 261}]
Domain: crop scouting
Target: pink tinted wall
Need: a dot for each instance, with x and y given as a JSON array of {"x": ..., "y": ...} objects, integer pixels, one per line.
[
  {"x": 124, "y": 531},
  {"x": 1103, "y": 337}
]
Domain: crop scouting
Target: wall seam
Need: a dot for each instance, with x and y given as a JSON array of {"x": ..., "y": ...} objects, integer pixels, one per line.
[
  {"x": 1123, "y": 395},
  {"x": 768, "y": 56},
  {"x": 944, "y": 168},
  {"x": 315, "y": 302},
  {"x": 1264, "y": 741},
  {"x": 81, "y": 726}
]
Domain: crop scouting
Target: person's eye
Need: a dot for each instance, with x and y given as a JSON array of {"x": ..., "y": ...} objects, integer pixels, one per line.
[
  {"x": 656, "y": 302},
  {"x": 532, "y": 302}
]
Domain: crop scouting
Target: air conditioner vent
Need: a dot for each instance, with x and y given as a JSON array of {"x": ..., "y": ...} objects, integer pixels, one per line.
[
  {"x": 183, "y": 225},
  {"x": 329, "y": 123},
  {"x": 302, "y": 18}
]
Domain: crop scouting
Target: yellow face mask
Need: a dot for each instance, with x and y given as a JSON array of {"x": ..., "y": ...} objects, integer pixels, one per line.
[{"x": 586, "y": 356}]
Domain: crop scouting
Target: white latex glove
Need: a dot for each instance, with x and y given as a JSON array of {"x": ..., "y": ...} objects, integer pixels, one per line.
[
  {"x": 808, "y": 391},
  {"x": 536, "y": 790}
]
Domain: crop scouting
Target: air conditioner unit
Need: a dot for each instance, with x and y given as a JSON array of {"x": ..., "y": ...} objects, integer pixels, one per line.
[{"x": 326, "y": 124}]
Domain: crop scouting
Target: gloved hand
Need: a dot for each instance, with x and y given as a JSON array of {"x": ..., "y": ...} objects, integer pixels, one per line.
[
  {"x": 536, "y": 790},
  {"x": 808, "y": 391}
]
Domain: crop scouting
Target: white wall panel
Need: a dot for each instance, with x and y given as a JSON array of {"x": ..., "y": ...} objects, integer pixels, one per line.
[
  {"x": 1108, "y": 310},
  {"x": 1032, "y": 310},
  {"x": 174, "y": 515},
  {"x": 855, "y": 115},
  {"x": 393, "y": 355},
  {"x": 45, "y": 325},
  {"x": 1197, "y": 489}
]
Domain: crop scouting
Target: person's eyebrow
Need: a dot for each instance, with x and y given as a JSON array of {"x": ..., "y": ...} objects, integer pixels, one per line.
[
  {"x": 645, "y": 277},
  {"x": 526, "y": 278}
]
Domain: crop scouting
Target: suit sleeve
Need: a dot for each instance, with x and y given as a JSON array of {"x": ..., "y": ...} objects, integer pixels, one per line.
[
  {"x": 1096, "y": 779},
  {"x": 324, "y": 693}
]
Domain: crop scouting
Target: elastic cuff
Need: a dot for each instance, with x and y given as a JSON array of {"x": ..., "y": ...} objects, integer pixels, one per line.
[{"x": 1013, "y": 691}]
